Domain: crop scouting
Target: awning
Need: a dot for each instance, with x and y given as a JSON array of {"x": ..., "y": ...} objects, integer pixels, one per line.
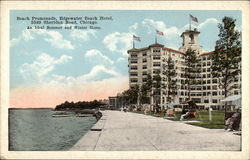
[{"x": 235, "y": 98}]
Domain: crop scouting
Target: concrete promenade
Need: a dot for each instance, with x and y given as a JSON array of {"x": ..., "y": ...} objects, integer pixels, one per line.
[{"x": 120, "y": 131}]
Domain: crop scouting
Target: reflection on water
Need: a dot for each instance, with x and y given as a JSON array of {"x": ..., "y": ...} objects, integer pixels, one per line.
[{"x": 37, "y": 130}]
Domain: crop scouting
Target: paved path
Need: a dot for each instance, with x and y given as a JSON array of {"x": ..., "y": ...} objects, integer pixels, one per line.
[{"x": 120, "y": 131}]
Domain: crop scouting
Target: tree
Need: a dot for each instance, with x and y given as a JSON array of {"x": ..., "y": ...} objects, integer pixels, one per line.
[
  {"x": 170, "y": 73},
  {"x": 192, "y": 71},
  {"x": 145, "y": 90},
  {"x": 130, "y": 96},
  {"x": 227, "y": 55},
  {"x": 157, "y": 88}
]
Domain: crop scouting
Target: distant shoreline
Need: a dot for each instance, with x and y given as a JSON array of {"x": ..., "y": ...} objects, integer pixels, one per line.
[{"x": 27, "y": 108}]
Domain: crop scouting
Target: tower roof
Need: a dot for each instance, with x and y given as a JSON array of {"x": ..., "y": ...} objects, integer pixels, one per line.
[
  {"x": 156, "y": 45},
  {"x": 190, "y": 31}
]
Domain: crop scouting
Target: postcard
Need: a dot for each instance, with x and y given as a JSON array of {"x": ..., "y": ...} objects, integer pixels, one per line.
[{"x": 129, "y": 79}]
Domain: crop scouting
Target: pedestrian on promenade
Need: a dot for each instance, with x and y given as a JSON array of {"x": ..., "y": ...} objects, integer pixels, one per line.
[{"x": 231, "y": 122}]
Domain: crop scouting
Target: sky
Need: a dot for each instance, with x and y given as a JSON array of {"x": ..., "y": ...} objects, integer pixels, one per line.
[{"x": 50, "y": 66}]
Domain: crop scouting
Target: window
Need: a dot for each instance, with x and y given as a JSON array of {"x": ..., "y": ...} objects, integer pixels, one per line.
[
  {"x": 156, "y": 50},
  {"x": 144, "y": 67},
  {"x": 204, "y": 64},
  {"x": 208, "y": 75},
  {"x": 208, "y": 81},
  {"x": 203, "y": 58},
  {"x": 215, "y": 101},
  {"x": 134, "y": 55},
  {"x": 205, "y": 100},
  {"x": 157, "y": 71},
  {"x": 214, "y": 93},
  {"x": 208, "y": 69},
  {"x": 133, "y": 61},
  {"x": 144, "y": 73},
  {"x": 133, "y": 68},
  {"x": 133, "y": 74},
  {"x": 204, "y": 94},
  {"x": 208, "y": 63},
  {"x": 203, "y": 76},
  {"x": 208, "y": 87},
  {"x": 156, "y": 64},
  {"x": 133, "y": 80},
  {"x": 214, "y": 87},
  {"x": 144, "y": 54},
  {"x": 180, "y": 99},
  {"x": 144, "y": 60},
  {"x": 196, "y": 100},
  {"x": 204, "y": 70},
  {"x": 156, "y": 57},
  {"x": 204, "y": 87},
  {"x": 214, "y": 80}
]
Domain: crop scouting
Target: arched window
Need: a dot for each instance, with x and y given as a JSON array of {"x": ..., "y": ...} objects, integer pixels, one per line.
[{"x": 191, "y": 38}]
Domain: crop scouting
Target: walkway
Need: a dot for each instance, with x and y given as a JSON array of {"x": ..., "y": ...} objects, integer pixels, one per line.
[{"x": 120, "y": 131}]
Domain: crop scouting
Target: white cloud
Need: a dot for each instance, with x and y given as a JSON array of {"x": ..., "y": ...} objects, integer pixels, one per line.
[
  {"x": 118, "y": 42},
  {"x": 134, "y": 27},
  {"x": 53, "y": 37},
  {"x": 14, "y": 41},
  {"x": 97, "y": 69},
  {"x": 26, "y": 34},
  {"x": 41, "y": 66},
  {"x": 120, "y": 59},
  {"x": 93, "y": 73},
  {"x": 82, "y": 34},
  {"x": 98, "y": 54},
  {"x": 121, "y": 42},
  {"x": 207, "y": 22}
]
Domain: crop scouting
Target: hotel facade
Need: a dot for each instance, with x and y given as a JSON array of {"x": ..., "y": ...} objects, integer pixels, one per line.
[{"x": 151, "y": 59}]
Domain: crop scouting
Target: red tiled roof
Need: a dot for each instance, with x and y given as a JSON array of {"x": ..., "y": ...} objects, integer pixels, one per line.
[
  {"x": 156, "y": 45},
  {"x": 170, "y": 49},
  {"x": 207, "y": 53}
]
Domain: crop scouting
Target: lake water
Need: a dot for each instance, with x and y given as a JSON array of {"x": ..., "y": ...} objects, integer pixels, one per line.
[{"x": 37, "y": 130}]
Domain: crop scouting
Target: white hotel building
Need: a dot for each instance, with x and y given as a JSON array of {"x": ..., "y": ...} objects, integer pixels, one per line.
[{"x": 149, "y": 60}]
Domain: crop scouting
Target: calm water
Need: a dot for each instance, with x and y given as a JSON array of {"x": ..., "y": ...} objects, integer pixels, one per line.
[{"x": 37, "y": 130}]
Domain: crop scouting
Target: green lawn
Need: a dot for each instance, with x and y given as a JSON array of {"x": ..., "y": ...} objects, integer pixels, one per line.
[{"x": 216, "y": 123}]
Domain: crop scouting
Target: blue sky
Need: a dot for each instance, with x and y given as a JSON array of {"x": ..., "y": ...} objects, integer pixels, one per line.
[{"x": 72, "y": 59}]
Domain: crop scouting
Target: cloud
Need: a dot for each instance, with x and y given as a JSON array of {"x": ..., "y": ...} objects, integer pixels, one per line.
[
  {"x": 97, "y": 69},
  {"x": 52, "y": 94},
  {"x": 121, "y": 59},
  {"x": 118, "y": 42},
  {"x": 98, "y": 54},
  {"x": 26, "y": 34},
  {"x": 14, "y": 41},
  {"x": 93, "y": 73},
  {"x": 55, "y": 38},
  {"x": 67, "y": 88},
  {"x": 208, "y": 22},
  {"x": 41, "y": 66},
  {"x": 83, "y": 35}
]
